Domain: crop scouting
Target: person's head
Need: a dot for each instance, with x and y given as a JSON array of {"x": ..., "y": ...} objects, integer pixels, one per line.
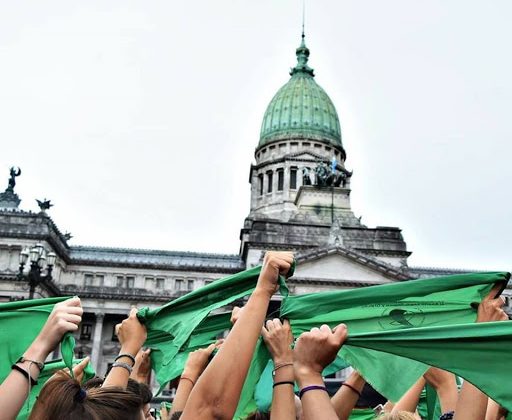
[
  {"x": 144, "y": 393},
  {"x": 399, "y": 415},
  {"x": 63, "y": 398}
]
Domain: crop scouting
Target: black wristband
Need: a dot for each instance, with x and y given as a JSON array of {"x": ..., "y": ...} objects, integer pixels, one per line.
[
  {"x": 129, "y": 356},
  {"x": 25, "y": 374},
  {"x": 283, "y": 383}
]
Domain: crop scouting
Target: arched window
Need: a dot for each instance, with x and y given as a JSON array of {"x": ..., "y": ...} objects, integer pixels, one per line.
[
  {"x": 270, "y": 177},
  {"x": 260, "y": 183}
]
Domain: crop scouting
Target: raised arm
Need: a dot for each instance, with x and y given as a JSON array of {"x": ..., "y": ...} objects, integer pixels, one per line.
[
  {"x": 346, "y": 397},
  {"x": 472, "y": 403},
  {"x": 410, "y": 399},
  {"x": 278, "y": 339},
  {"x": 313, "y": 351},
  {"x": 216, "y": 394},
  {"x": 446, "y": 387},
  {"x": 131, "y": 334},
  {"x": 64, "y": 318},
  {"x": 196, "y": 364}
]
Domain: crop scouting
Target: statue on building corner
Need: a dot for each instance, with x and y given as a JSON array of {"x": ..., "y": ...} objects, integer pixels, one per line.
[
  {"x": 14, "y": 172},
  {"x": 44, "y": 204}
]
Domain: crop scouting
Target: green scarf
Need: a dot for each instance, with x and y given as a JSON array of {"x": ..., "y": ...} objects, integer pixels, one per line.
[
  {"x": 395, "y": 306},
  {"x": 171, "y": 326},
  {"x": 476, "y": 352},
  {"x": 20, "y": 324}
]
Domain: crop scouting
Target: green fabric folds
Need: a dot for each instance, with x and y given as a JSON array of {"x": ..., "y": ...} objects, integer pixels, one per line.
[
  {"x": 20, "y": 323},
  {"x": 50, "y": 369},
  {"x": 478, "y": 353},
  {"x": 171, "y": 326},
  {"x": 395, "y": 306}
]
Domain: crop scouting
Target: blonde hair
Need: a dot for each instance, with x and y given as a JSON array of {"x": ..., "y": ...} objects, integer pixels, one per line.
[{"x": 397, "y": 415}]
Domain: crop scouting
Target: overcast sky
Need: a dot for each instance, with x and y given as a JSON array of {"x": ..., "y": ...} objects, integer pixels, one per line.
[{"x": 139, "y": 119}]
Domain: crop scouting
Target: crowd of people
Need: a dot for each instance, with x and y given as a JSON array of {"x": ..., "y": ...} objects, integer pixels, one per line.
[{"x": 211, "y": 382}]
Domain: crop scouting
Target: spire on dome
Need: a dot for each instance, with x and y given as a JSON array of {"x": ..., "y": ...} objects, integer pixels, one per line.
[{"x": 302, "y": 52}]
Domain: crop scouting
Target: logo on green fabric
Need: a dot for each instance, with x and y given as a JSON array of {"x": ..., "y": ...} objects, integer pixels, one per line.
[{"x": 401, "y": 318}]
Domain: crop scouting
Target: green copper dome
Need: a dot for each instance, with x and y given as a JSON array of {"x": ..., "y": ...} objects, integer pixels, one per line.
[{"x": 301, "y": 108}]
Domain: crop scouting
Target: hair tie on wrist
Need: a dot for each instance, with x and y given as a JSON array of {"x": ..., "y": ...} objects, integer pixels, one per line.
[
  {"x": 127, "y": 355},
  {"x": 283, "y": 383},
  {"x": 188, "y": 379},
  {"x": 80, "y": 395},
  {"x": 352, "y": 388},
  {"x": 311, "y": 388}
]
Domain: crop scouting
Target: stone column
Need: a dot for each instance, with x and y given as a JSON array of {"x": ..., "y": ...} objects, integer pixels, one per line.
[{"x": 96, "y": 341}]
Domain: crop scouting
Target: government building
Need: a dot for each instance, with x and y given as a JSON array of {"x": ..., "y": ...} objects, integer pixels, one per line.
[{"x": 300, "y": 202}]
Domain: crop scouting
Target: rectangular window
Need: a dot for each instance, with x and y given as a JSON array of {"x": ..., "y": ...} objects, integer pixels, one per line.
[
  {"x": 293, "y": 178},
  {"x": 190, "y": 285},
  {"x": 179, "y": 285},
  {"x": 85, "y": 332},
  {"x": 160, "y": 283},
  {"x": 121, "y": 282},
  {"x": 280, "y": 180},
  {"x": 260, "y": 183},
  {"x": 269, "y": 180},
  {"x": 130, "y": 282},
  {"x": 88, "y": 279},
  {"x": 149, "y": 282},
  {"x": 98, "y": 280}
]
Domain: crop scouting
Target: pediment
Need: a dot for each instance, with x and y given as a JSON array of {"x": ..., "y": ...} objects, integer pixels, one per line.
[
  {"x": 341, "y": 264},
  {"x": 305, "y": 155}
]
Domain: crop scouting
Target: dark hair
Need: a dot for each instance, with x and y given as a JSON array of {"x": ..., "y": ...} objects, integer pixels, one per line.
[
  {"x": 62, "y": 398},
  {"x": 95, "y": 382},
  {"x": 176, "y": 415},
  {"x": 145, "y": 393},
  {"x": 141, "y": 390}
]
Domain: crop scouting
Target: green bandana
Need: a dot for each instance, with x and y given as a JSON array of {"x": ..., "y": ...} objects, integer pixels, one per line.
[
  {"x": 171, "y": 326},
  {"x": 20, "y": 324}
]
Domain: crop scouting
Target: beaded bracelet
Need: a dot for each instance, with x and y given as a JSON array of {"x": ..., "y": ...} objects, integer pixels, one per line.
[{"x": 123, "y": 365}]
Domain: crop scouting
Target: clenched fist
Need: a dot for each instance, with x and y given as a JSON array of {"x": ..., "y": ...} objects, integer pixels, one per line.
[
  {"x": 274, "y": 264},
  {"x": 318, "y": 348}
]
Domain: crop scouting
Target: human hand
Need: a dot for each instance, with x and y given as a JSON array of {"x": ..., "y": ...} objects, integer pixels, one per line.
[
  {"x": 235, "y": 314},
  {"x": 490, "y": 309},
  {"x": 78, "y": 370},
  {"x": 142, "y": 366},
  {"x": 65, "y": 317},
  {"x": 316, "y": 349},
  {"x": 164, "y": 412},
  {"x": 131, "y": 333},
  {"x": 278, "y": 339},
  {"x": 197, "y": 362},
  {"x": 274, "y": 264}
]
